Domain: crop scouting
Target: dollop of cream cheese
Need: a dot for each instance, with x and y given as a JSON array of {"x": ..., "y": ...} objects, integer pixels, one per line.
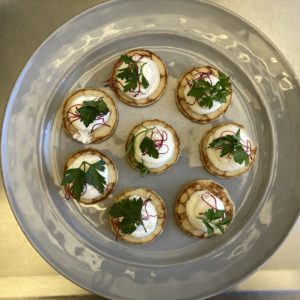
[
  {"x": 149, "y": 217},
  {"x": 83, "y": 133},
  {"x": 199, "y": 203},
  {"x": 90, "y": 192},
  {"x": 150, "y": 71},
  {"x": 195, "y": 106},
  {"x": 166, "y": 151},
  {"x": 227, "y": 163}
]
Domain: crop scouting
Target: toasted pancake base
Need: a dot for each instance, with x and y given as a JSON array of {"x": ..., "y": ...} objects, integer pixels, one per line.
[
  {"x": 185, "y": 108},
  {"x": 102, "y": 133},
  {"x": 210, "y": 167},
  {"x": 200, "y": 185},
  {"x": 131, "y": 160},
  {"x": 112, "y": 173},
  {"x": 161, "y": 215},
  {"x": 155, "y": 95}
]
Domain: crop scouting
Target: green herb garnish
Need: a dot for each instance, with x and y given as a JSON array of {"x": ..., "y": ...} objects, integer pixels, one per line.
[
  {"x": 75, "y": 179},
  {"x": 128, "y": 212},
  {"x": 215, "y": 219},
  {"x": 205, "y": 93},
  {"x": 91, "y": 109},
  {"x": 132, "y": 75},
  {"x": 147, "y": 146},
  {"x": 130, "y": 147},
  {"x": 143, "y": 169},
  {"x": 231, "y": 144}
]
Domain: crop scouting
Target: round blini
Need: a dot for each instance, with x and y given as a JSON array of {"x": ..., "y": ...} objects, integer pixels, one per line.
[
  {"x": 112, "y": 173},
  {"x": 211, "y": 167},
  {"x": 156, "y": 94},
  {"x": 70, "y": 112},
  {"x": 185, "y": 108},
  {"x": 201, "y": 185},
  {"x": 157, "y": 201},
  {"x": 151, "y": 123}
]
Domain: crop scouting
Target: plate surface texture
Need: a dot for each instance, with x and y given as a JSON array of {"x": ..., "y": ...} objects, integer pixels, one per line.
[{"x": 76, "y": 239}]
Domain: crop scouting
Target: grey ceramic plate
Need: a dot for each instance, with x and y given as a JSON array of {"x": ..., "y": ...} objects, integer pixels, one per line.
[{"x": 77, "y": 240}]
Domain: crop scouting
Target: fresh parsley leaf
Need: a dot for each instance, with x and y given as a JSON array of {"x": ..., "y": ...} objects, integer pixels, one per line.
[
  {"x": 128, "y": 227},
  {"x": 144, "y": 148},
  {"x": 99, "y": 104},
  {"x": 126, "y": 59},
  {"x": 132, "y": 75},
  {"x": 143, "y": 169},
  {"x": 206, "y": 101},
  {"x": 231, "y": 144},
  {"x": 199, "y": 88},
  {"x": 226, "y": 149},
  {"x": 91, "y": 109},
  {"x": 87, "y": 115},
  {"x": 225, "y": 220},
  {"x": 206, "y": 94},
  {"x": 209, "y": 214},
  {"x": 214, "y": 219},
  {"x": 128, "y": 211},
  {"x": 210, "y": 229},
  {"x": 99, "y": 165},
  {"x": 124, "y": 73},
  {"x": 148, "y": 146},
  {"x": 237, "y": 136},
  {"x": 214, "y": 214},
  {"x": 77, "y": 178},
  {"x": 131, "y": 84},
  {"x": 145, "y": 82},
  {"x": 94, "y": 178},
  {"x": 240, "y": 155},
  {"x": 220, "y": 227}
]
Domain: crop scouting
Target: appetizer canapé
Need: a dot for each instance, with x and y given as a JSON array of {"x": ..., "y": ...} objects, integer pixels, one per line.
[
  {"x": 152, "y": 147},
  {"x": 204, "y": 94},
  {"x": 204, "y": 209},
  {"x": 139, "y": 77},
  {"x": 90, "y": 116},
  {"x": 138, "y": 216},
  {"x": 227, "y": 150},
  {"x": 89, "y": 176}
]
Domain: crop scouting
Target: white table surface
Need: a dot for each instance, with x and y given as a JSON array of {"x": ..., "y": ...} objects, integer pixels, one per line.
[{"x": 24, "y": 25}]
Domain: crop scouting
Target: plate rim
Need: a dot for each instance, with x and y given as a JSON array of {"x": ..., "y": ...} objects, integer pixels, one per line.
[{"x": 25, "y": 69}]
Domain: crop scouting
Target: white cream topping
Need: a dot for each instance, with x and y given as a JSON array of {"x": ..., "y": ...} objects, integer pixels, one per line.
[
  {"x": 166, "y": 152},
  {"x": 199, "y": 203},
  {"x": 149, "y": 217},
  {"x": 83, "y": 133},
  {"x": 227, "y": 163},
  {"x": 151, "y": 73},
  {"x": 195, "y": 106},
  {"x": 90, "y": 191}
]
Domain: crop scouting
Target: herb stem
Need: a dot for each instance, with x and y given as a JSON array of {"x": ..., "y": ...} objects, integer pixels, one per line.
[{"x": 130, "y": 149}]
